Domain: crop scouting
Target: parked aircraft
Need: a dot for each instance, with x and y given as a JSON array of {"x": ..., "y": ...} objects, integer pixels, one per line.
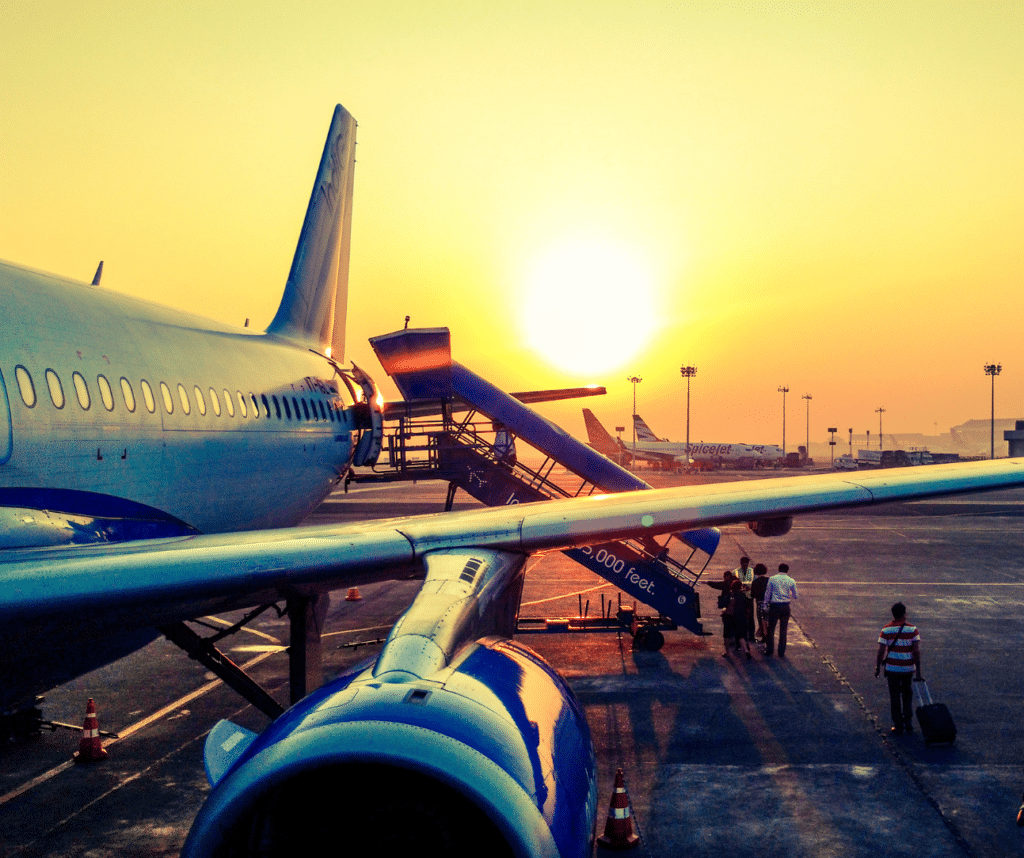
[
  {"x": 651, "y": 448},
  {"x": 701, "y": 453},
  {"x": 149, "y": 464}
]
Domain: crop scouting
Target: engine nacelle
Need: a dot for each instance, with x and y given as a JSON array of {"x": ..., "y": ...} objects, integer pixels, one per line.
[
  {"x": 771, "y": 526},
  {"x": 491, "y": 756}
]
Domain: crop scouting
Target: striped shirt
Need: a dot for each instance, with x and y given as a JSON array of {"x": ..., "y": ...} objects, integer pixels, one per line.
[{"x": 900, "y": 658}]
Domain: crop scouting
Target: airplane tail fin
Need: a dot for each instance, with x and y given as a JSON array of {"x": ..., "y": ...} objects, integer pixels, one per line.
[
  {"x": 598, "y": 436},
  {"x": 315, "y": 298},
  {"x": 643, "y": 431}
]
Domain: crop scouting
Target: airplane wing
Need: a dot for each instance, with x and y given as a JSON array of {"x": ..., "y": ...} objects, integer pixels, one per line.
[
  {"x": 454, "y": 724},
  {"x": 146, "y": 583}
]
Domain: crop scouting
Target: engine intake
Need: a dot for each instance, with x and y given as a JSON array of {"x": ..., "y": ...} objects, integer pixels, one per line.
[
  {"x": 771, "y": 526},
  {"x": 491, "y": 756}
]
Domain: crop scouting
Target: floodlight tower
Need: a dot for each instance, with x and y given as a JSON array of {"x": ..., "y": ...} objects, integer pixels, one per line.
[
  {"x": 688, "y": 372},
  {"x": 783, "y": 390},
  {"x": 880, "y": 411},
  {"x": 808, "y": 397},
  {"x": 993, "y": 369},
  {"x": 634, "y": 380}
]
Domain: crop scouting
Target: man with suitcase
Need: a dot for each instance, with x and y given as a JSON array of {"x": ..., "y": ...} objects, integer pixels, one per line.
[{"x": 899, "y": 650}]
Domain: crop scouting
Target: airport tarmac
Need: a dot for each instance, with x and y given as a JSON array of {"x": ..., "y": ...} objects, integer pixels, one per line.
[{"x": 721, "y": 755}]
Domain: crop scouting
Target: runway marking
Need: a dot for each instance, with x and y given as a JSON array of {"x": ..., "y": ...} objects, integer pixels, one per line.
[
  {"x": 256, "y": 632},
  {"x": 802, "y": 583},
  {"x": 128, "y": 731},
  {"x": 566, "y": 595},
  {"x": 353, "y": 631}
]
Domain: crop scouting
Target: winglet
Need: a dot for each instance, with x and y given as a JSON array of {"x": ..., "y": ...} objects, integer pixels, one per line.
[
  {"x": 99, "y": 273},
  {"x": 315, "y": 298}
]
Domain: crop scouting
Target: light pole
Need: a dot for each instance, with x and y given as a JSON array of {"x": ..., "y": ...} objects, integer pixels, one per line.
[
  {"x": 993, "y": 369},
  {"x": 808, "y": 397},
  {"x": 783, "y": 390},
  {"x": 880, "y": 411},
  {"x": 634, "y": 380},
  {"x": 688, "y": 372}
]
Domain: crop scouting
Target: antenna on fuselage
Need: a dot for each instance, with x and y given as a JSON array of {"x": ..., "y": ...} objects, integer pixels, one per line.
[{"x": 99, "y": 273}]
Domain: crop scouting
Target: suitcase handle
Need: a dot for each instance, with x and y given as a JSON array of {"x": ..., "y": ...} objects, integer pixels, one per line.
[{"x": 924, "y": 697}]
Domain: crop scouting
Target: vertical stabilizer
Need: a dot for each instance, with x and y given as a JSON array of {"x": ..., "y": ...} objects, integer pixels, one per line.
[
  {"x": 598, "y": 436},
  {"x": 315, "y": 298},
  {"x": 643, "y": 431}
]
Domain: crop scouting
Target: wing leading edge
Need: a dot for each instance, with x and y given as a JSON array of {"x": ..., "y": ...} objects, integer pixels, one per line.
[{"x": 133, "y": 585}]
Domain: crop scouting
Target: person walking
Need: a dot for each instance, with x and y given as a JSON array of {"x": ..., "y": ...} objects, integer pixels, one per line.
[
  {"x": 745, "y": 574},
  {"x": 737, "y": 608},
  {"x": 778, "y": 595},
  {"x": 724, "y": 601},
  {"x": 757, "y": 594},
  {"x": 899, "y": 651}
]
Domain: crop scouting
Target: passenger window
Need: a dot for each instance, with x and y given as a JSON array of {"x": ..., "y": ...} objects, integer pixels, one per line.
[
  {"x": 241, "y": 404},
  {"x": 200, "y": 401},
  {"x": 215, "y": 402},
  {"x": 287, "y": 410},
  {"x": 25, "y": 385},
  {"x": 277, "y": 406},
  {"x": 266, "y": 405},
  {"x": 186, "y": 406},
  {"x": 256, "y": 406},
  {"x": 229, "y": 403},
  {"x": 305, "y": 409},
  {"x": 165, "y": 392},
  {"x": 81, "y": 390},
  {"x": 128, "y": 394},
  {"x": 56, "y": 388},
  {"x": 147, "y": 394},
  {"x": 323, "y": 413},
  {"x": 106, "y": 394}
]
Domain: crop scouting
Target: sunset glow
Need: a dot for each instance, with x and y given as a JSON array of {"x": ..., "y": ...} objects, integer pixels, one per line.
[
  {"x": 823, "y": 195},
  {"x": 588, "y": 308}
]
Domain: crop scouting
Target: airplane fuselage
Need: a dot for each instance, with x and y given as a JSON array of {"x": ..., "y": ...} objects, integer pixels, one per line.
[
  {"x": 677, "y": 453},
  {"x": 114, "y": 399}
]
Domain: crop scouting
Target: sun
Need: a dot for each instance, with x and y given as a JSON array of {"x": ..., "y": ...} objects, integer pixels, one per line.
[{"x": 588, "y": 307}]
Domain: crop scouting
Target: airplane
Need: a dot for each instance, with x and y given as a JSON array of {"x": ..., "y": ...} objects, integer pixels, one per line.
[
  {"x": 152, "y": 466},
  {"x": 650, "y": 447},
  {"x": 738, "y": 455}
]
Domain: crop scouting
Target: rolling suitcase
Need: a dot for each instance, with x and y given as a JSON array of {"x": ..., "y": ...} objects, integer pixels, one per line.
[{"x": 936, "y": 722}]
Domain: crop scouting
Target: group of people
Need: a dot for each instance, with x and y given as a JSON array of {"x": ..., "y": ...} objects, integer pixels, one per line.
[{"x": 753, "y": 604}]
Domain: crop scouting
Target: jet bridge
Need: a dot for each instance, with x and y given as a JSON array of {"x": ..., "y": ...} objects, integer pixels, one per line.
[{"x": 469, "y": 441}]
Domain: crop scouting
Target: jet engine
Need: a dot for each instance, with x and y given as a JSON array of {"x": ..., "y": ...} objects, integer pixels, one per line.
[
  {"x": 771, "y": 526},
  {"x": 489, "y": 756}
]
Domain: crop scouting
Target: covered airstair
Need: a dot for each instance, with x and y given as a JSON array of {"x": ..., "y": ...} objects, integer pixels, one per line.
[{"x": 471, "y": 438}]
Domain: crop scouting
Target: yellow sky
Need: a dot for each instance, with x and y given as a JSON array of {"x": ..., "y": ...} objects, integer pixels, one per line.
[{"x": 828, "y": 196}]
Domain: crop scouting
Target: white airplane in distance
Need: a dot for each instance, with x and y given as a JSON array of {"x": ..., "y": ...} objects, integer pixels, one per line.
[
  {"x": 675, "y": 455},
  {"x": 151, "y": 463},
  {"x": 737, "y": 455}
]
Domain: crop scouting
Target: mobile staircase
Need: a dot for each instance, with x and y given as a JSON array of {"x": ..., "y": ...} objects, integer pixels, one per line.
[{"x": 469, "y": 446}]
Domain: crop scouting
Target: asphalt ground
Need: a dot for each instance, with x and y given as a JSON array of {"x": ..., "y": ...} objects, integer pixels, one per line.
[{"x": 721, "y": 755}]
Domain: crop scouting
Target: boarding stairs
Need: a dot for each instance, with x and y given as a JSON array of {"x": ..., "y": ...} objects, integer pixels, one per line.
[{"x": 466, "y": 447}]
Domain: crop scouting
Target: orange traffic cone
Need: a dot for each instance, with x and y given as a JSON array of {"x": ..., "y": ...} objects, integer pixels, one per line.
[
  {"x": 353, "y": 595},
  {"x": 618, "y": 830},
  {"x": 90, "y": 748}
]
